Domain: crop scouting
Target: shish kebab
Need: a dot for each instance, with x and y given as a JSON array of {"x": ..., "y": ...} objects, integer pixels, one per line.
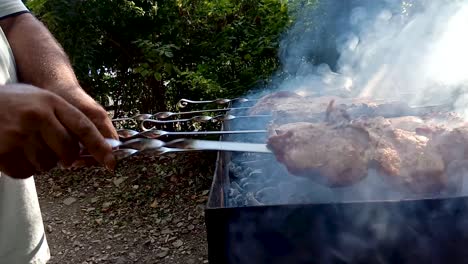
[
  {"x": 287, "y": 107},
  {"x": 377, "y": 141},
  {"x": 416, "y": 155}
]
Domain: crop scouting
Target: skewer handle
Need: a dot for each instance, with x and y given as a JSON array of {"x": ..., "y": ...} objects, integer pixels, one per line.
[
  {"x": 158, "y": 147},
  {"x": 200, "y": 119},
  {"x": 185, "y": 102},
  {"x": 126, "y": 134}
]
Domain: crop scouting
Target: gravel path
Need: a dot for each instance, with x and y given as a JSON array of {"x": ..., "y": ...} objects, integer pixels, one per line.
[{"x": 150, "y": 211}]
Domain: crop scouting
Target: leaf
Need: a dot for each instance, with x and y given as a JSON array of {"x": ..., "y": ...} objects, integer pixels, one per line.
[
  {"x": 145, "y": 72},
  {"x": 168, "y": 68},
  {"x": 118, "y": 181},
  {"x": 158, "y": 76},
  {"x": 168, "y": 54},
  {"x": 154, "y": 204}
]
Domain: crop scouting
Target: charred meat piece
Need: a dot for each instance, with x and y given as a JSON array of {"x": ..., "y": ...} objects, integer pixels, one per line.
[
  {"x": 426, "y": 125},
  {"x": 333, "y": 156},
  {"x": 341, "y": 155},
  {"x": 407, "y": 161},
  {"x": 354, "y": 109},
  {"x": 419, "y": 154},
  {"x": 287, "y": 107},
  {"x": 289, "y": 101},
  {"x": 452, "y": 144},
  {"x": 409, "y": 123}
]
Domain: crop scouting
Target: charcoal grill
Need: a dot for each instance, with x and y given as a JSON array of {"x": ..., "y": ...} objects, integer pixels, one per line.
[
  {"x": 257, "y": 213},
  {"x": 302, "y": 223}
]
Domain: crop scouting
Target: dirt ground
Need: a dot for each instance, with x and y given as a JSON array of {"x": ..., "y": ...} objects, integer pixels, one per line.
[{"x": 151, "y": 210}]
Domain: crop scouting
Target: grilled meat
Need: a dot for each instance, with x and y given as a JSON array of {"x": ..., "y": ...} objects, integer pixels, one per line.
[
  {"x": 451, "y": 144},
  {"x": 331, "y": 156},
  {"x": 406, "y": 158},
  {"x": 339, "y": 155},
  {"x": 285, "y": 101},
  {"x": 334, "y": 141},
  {"x": 289, "y": 101},
  {"x": 288, "y": 107}
]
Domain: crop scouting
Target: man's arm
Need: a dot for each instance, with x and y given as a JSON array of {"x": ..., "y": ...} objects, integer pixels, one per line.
[{"x": 42, "y": 62}]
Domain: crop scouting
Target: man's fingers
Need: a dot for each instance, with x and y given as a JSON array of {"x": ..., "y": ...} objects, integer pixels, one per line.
[
  {"x": 39, "y": 154},
  {"x": 60, "y": 141},
  {"x": 103, "y": 123},
  {"x": 107, "y": 129},
  {"x": 94, "y": 111},
  {"x": 79, "y": 125}
]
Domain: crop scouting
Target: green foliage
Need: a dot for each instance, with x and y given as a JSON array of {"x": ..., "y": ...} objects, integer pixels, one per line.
[{"x": 148, "y": 54}]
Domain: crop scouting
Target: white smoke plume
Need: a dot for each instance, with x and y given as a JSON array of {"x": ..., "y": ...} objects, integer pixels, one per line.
[{"x": 416, "y": 51}]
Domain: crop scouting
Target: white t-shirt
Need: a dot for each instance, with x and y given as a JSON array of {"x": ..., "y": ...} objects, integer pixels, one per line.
[{"x": 22, "y": 236}]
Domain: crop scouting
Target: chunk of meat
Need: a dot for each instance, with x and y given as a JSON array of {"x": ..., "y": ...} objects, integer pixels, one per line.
[
  {"x": 452, "y": 144},
  {"x": 331, "y": 156},
  {"x": 408, "y": 161},
  {"x": 284, "y": 101},
  {"x": 288, "y": 107},
  {"x": 341, "y": 155},
  {"x": 338, "y": 145}
]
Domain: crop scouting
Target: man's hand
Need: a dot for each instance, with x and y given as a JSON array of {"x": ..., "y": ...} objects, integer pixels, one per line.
[
  {"x": 86, "y": 104},
  {"x": 40, "y": 129}
]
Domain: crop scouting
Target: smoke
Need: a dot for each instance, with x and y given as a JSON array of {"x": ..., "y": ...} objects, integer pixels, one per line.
[
  {"x": 411, "y": 51},
  {"x": 414, "y": 51}
]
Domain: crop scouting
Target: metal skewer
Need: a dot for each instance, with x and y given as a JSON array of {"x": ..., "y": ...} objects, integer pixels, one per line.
[
  {"x": 145, "y": 144},
  {"x": 126, "y": 134},
  {"x": 124, "y": 153},
  {"x": 185, "y": 102},
  {"x": 411, "y": 110},
  {"x": 112, "y": 142},
  {"x": 139, "y": 117},
  {"x": 438, "y": 107},
  {"x": 201, "y": 119},
  {"x": 158, "y": 147},
  {"x": 164, "y": 115}
]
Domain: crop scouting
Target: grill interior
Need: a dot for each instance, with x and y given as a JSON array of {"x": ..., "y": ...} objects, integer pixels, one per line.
[{"x": 254, "y": 179}]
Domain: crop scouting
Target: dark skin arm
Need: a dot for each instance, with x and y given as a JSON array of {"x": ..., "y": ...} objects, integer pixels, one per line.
[{"x": 42, "y": 62}]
